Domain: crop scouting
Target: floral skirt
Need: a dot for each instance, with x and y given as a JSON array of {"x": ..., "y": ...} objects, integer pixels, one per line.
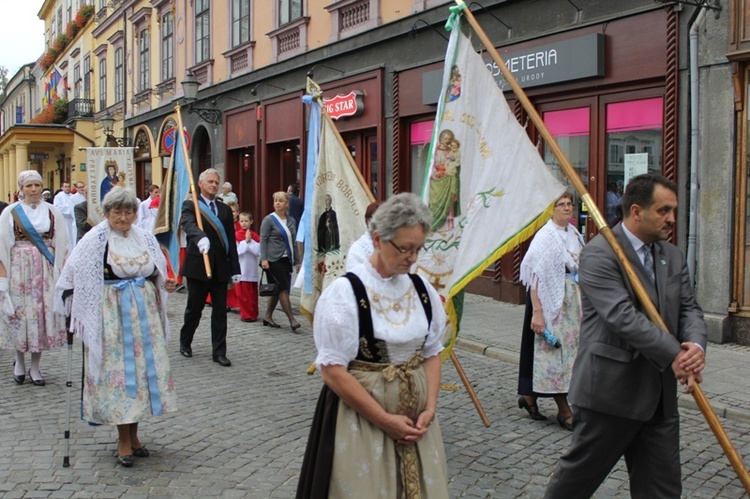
[
  {"x": 106, "y": 401},
  {"x": 366, "y": 462},
  {"x": 554, "y": 366},
  {"x": 34, "y": 326}
]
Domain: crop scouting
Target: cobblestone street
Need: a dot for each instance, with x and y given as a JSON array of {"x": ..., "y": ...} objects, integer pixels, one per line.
[{"x": 241, "y": 431}]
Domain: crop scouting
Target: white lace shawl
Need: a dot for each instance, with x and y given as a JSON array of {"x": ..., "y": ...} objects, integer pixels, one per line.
[
  {"x": 8, "y": 239},
  {"x": 84, "y": 273},
  {"x": 543, "y": 269}
]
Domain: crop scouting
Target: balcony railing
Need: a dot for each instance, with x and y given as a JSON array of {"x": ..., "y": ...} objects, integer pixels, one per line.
[{"x": 80, "y": 108}]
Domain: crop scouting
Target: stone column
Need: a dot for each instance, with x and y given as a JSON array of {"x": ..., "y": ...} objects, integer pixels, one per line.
[
  {"x": 10, "y": 185},
  {"x": 22, "y": 155},
  {"x": 12, "y": 170}
]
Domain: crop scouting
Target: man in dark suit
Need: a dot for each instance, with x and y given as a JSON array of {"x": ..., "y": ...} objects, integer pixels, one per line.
[
  {"x": 217, "y": 241},
  {"x": 296, "y": 205},
  {"x": 623, "y": 386},
  {"x": 81, "y": 215}
]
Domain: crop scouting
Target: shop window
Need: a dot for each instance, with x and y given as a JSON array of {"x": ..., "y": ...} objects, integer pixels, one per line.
[
  {"x": 420, "y": 135},
  {"x": 571, "y": 130},
  {"x": 634, "y": 142}
]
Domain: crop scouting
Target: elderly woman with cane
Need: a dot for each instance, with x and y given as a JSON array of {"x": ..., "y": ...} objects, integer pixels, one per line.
[
  {"x": 118, "y": 278},
  {"x": 33, "y": 245},
  {"x": 375, "y": 430}
]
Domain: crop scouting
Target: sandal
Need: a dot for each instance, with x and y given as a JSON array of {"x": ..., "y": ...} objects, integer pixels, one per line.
[
  {"x": 126, "y": 461},
  {"x": 141, "y": 452},
  {"x": 532, "y": 409}
]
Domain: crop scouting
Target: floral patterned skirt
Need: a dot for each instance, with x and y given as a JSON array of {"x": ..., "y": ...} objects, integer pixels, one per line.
[
  {"x": 106, "y": 401},
  {"x": 554, "y": 366},
  {"x": 35, "y": 326},
  {"x": 366, "y": 462}
]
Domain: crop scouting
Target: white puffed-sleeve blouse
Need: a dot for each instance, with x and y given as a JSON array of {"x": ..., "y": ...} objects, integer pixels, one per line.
[{"x": 398, "y": 318}]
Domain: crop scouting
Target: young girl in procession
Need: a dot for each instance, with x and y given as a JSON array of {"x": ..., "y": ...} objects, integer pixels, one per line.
[{"x": 248, "y": 250}]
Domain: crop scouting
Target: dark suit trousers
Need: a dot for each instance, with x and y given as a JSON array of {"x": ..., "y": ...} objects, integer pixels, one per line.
[
  {"x": 651, "y": 450},
  {"x": 197, "y": 293}
]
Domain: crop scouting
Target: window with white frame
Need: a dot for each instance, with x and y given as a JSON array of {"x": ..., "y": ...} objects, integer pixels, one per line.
[
  {"x": 167, "y": 46},
  {"x": 143, "y": 60},
  {"x": 77, "y": 81},
  {"x": 60, "y": 21},
  {"x": 289, "y": 10},
  {"x": 102, "y": 83},
  {"x": 87, "y": 77},
  {"x": 240, "y": 22},
  {"x": 69, "y": 17},
  {"x": 119, "y": 75},
  {"x": 202, "y": 31}
]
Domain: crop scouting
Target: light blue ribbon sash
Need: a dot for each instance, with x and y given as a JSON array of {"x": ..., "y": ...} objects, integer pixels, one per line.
[
  {"x": 28, "y": 229},
  {"x": 217, "y": 225},
  {"x": 130, "y": 289},
  {"x": 289, "y": 251}
]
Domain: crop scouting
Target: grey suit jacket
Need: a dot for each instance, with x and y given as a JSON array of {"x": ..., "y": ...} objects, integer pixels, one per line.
[
  {"x": 623, "y": 367},
  {"x": 272, "y": 245}
]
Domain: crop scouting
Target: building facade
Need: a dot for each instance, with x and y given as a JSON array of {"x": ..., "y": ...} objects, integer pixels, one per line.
[{"x": 625, "y": 87}]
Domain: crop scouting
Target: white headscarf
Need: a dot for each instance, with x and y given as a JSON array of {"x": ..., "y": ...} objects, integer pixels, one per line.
[{"x": 27, "y": 176}]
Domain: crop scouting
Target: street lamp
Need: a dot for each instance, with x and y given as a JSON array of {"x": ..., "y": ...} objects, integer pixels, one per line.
[
  {"x": 190, "y": 92},
  {"x": 108, "y": 123}
]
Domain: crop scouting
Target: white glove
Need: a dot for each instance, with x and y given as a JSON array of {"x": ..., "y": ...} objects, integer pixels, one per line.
[
  {"x": 236, "y": 278},
  {"x": 204, "y": 245},
  {"x": 3, "y": 284}
]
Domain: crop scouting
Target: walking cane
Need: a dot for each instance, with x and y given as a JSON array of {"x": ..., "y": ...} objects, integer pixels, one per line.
[{"x": 69, "y": 385}]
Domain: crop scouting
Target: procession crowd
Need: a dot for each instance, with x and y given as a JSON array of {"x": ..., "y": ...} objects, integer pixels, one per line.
[{"x": 586, "y": 341}]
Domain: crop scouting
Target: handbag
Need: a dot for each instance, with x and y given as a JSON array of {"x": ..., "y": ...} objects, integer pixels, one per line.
[{"x": 267, "y": 288}]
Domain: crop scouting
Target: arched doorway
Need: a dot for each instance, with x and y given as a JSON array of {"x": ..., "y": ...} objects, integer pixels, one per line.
[
  {"x": 142, "y": 156},
  {"x": 201, "y": 153}
]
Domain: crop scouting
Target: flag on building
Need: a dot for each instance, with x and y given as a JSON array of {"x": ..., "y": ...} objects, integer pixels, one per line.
[
  {"x": 174, "y": 190},
  {"x": 335, "y": 202},
  {"x": 486, "y": 183},
  {"x": 107, "y": 167}
]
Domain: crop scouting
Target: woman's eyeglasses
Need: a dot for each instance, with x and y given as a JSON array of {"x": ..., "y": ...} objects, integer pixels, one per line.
[{"x": 406, "y": 251}]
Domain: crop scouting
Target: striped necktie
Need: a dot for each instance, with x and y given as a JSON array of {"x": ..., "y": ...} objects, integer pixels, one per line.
[{"x": 648, "y": 261}]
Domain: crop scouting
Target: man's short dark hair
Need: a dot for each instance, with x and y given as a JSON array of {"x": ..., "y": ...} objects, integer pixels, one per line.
[
  {"x": 152, "y": 188},
  {"x": 294, "y": 188},
  {"x": 640, "y": 191}
]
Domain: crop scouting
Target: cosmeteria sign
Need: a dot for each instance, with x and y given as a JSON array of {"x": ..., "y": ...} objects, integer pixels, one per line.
[
  {"x": 566, "y": 60},
  {"x": 351, "y": 104}
]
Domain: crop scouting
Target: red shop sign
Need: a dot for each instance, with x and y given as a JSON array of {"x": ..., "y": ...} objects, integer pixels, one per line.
[{"x": 351, "y": 104}]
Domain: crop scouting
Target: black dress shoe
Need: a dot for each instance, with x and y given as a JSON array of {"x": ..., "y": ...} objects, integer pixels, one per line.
[
  {"x": 36, "y": 382},
  {"x": 186, "y": 351},
  {"x": 532, "y": 409},
  {"x": 270, "y": 324},
  {"x": 222, "y": 360}
]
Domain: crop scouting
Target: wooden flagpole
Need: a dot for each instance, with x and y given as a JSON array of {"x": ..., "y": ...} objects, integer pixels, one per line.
[
  {"x": 193, "y": 192},
  {"x": 606, "y": 231}
]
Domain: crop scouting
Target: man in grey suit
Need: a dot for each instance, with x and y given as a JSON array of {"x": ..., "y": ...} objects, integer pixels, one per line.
[{"x": 623, "y": 387}]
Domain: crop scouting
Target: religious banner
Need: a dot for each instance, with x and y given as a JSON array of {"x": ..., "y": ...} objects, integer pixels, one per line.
[
  {"x": 336, "y": 211},
  {"x": 486, "y": 183},
  {"x": 107, "y": 167}
]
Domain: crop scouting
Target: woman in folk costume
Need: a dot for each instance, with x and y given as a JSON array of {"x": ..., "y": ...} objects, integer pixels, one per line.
[
  {"x": 118, "y": 278},
  {"x": 550, "y": 272},
  {"x": 375, "y": 432},
  {"x": 33, "y": 246}
]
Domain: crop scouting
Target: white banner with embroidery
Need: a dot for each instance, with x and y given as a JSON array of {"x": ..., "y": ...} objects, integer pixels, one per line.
[
  {"x": 486, "y": 183},
  {"x": 107, "y": 167}
]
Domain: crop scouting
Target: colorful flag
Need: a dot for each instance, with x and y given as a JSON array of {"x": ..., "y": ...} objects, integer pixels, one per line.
[
  {"x": 174, "y": 190},
  {"x": 486, "y": 183},
  {"x": 335, "y": 202}
]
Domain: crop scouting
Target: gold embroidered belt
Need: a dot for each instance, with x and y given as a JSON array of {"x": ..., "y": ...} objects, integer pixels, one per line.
[{"x": 407, "y": 406}]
